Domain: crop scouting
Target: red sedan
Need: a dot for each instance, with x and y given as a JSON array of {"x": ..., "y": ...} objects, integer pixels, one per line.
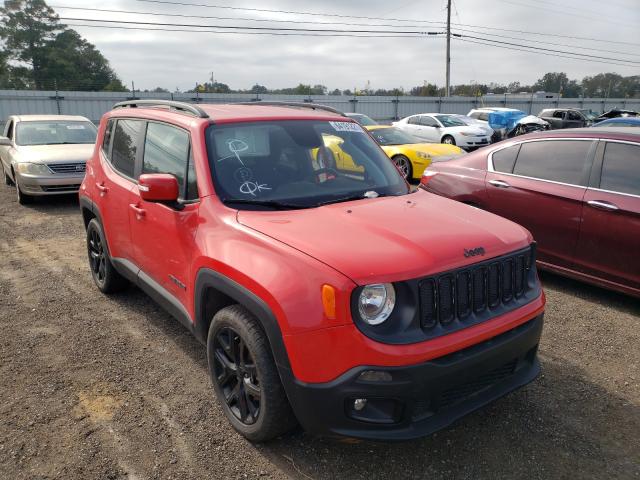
[{"x": 577, "y": 191}]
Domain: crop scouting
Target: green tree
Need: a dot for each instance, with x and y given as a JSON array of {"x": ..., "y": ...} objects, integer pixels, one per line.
[
  {"x": 27, "y": 27},
  {"x": 258, "y": 89},
  {"x": 72, "y": 63},
  {"x": 551, "y": 82}
]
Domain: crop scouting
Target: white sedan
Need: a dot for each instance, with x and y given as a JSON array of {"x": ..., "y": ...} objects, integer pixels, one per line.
[{"x": 443, "y": 128}]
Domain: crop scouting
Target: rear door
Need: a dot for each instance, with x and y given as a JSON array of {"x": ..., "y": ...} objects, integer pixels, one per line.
[
  {"x": 609, "y": 244},
  {"x": 429, "y": 129},
  {"x": 540, "y": 184},
  {"x": 163, "y": 234},
  {"x": 573, "y": 119},
  {"x": 115, "y": 180}
]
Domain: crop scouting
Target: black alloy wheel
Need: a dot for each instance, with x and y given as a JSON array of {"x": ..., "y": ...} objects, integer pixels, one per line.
[
  {"x": 237, "y": 376},
  {"x": 97, "y": 257}
]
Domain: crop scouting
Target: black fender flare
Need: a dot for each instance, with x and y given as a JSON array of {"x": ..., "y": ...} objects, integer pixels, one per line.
[{"x": 208, "y": 278}]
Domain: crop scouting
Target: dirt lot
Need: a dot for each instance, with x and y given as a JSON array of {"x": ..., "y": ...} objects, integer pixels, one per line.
[{"x": 98, "y": 387}]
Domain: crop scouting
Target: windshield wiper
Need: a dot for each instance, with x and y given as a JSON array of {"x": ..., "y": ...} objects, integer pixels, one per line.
[
  {"x": 265, "y": 203},
  {"x": 349, "y": 198}
]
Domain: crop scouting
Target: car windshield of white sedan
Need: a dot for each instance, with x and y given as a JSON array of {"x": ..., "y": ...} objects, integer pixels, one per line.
[
  {"x": 449, "y": 121},
  {"x": 298, "y": 164},
  {"x": 55, "y": 133},
  {"x": 393, "y": 136}
]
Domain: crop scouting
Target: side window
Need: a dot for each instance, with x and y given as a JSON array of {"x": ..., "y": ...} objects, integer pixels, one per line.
[
  {"x": 505, "y": 159},
  {"x": 566, "y": 161},
  {"x": 125, "y": 145},
  {"x": 428, "y": 121},
  {"x": 9, "y": 130},
  {"x": 558, "y": 114},
  {"x": 621, "y": 168},
  {"x": 573, "y": 116},
  {"x": 415, "y": 120},
  {"x": 166, "y": 150},
  {"x": 484, "y": 116},
  {"x": 106, "y": 141}
]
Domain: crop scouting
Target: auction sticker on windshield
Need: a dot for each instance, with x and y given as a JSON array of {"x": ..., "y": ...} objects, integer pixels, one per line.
[{"x": 346, "y": 127}]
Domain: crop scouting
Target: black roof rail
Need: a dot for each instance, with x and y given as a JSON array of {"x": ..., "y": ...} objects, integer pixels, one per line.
[
  {"x": 312, "y": 106},
  {"x": 179, "y": 106}
]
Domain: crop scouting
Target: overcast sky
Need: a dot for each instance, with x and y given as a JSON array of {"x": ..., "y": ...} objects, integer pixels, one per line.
[{"x": 180, "y": 59}]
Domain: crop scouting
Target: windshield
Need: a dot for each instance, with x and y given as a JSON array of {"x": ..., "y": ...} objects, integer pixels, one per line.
[
  {"x": 298, "y": 164},
  {"x": 589, "y": 114},
  {"x": 449, "y": 121},
  {"x": 393, "y": 136},
  {"x": 55, "y": 133}
]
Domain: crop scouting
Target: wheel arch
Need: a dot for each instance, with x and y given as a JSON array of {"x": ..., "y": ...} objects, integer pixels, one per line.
[{"x": 214, "y": 291}]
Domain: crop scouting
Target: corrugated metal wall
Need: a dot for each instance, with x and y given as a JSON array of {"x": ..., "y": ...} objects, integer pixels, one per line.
[{"x": 94, "y": 104}]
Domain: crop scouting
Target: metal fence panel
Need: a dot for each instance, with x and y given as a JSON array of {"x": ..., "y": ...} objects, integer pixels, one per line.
[{"x": 383, "y": 108}]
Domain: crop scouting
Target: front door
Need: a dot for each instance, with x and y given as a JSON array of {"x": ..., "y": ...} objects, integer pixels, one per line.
[
  {"x": 164, "y": 235},
  {"x": 609, "y": 243},
  {"x": 541, "y": 187}
]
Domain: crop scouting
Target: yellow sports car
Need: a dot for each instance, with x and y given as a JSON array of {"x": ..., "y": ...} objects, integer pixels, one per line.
[{"x": 409, "y": 153}]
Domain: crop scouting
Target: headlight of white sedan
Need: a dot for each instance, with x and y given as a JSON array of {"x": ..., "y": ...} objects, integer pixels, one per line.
[
  {"x": 469, "y": 134},
  {"x": 376, "y": 303},
  {"x": 33, "y": 168}
]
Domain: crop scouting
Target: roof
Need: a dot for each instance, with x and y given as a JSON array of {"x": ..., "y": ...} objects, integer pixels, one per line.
[
  {"x": 618, "y": 133},
  {"x": 49, "y": 118}
]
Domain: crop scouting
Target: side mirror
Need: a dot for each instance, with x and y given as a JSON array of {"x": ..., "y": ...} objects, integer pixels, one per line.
[
  {"x": 5, "y": 142},
  {"x": 158, "y": 187}
]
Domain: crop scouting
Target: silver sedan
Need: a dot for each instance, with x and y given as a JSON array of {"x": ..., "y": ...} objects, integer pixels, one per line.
[{"x": 45, "y": 154}]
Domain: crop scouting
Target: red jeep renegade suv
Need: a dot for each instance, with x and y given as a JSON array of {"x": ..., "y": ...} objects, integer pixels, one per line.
[{"x": 337, "y": 297}]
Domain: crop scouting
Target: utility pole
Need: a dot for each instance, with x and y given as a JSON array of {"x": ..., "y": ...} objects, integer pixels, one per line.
[{"x": 448, "y": 48}]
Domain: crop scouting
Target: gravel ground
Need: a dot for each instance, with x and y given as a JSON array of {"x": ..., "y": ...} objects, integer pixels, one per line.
[{"x": 112, "y": 387}]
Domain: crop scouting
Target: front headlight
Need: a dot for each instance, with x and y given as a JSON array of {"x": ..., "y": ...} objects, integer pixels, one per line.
[
  {"x": 468, "y": 134},
  {"x": 376, "y": 303},
  {"x": 33, "y": 168},
  {"x": 423, "y": 155}
]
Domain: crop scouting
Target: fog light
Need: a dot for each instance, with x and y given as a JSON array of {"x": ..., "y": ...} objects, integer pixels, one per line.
[
  {"x": 375, "y": 376},
  {"x": 359, "y": 404}
]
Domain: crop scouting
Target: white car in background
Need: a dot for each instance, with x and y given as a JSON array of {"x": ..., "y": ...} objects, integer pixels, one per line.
[
  {"x": 45, "y": 154},
  {"x": 443, "y": 128}
]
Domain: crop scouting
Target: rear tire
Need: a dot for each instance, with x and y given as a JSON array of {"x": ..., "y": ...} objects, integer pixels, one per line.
[
  {"x": 104, "y": 275},
  {"x": 449, "y": 140},
  {"x": 245, "y": 377}
]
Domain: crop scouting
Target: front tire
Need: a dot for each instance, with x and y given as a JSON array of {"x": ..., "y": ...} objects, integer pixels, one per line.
[
  {"x": 23, "y": 198},
  {"x": 449, "y": 140},
  {"x": 404, "y": 165},
  {"x": 245, "y": 377},
  {"x": 104, "y": 275}
]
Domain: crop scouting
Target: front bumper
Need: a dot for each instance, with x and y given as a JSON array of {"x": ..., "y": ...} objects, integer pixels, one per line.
[
  {"x": 49, "y": 184},
  {"x": 420, "y": 399},
  {"x": 473, "y": 142}
]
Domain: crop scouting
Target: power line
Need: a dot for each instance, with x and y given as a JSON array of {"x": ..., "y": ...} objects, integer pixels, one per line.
[
  {"x": 548, "y": 43},
  {"x": 550, "y": 49},
  {"x": 537, "y": 52},
  {"x": 316, "y": 22},
  {"x": 234, "y": 27},
  {"x": 299, "y": 34}
]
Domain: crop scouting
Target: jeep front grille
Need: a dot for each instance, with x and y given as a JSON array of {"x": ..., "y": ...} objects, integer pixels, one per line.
[{"x": 451, "y": 298}]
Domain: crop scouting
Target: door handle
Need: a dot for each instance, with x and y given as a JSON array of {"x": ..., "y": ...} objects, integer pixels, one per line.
[
  {"x": 499, "y": 183},
  {"x": 140, "y": 212},
  {"x": 602, "y": 205},
  {"x": 100, "y": 186}
]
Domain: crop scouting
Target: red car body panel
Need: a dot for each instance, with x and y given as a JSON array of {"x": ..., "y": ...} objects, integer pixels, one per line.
[
  {"x": 343, "y": 245},
  {"x": 573, "y": 238}
]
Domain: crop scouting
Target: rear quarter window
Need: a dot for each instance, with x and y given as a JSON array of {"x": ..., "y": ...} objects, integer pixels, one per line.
[
  {"x": 505, "y": 159},
  {"x": 621, "y": 168},
  {"x": 565, "y": 161}
]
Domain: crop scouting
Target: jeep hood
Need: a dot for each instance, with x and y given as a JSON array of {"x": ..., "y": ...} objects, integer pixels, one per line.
[{"x": 390, "y": 238}]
